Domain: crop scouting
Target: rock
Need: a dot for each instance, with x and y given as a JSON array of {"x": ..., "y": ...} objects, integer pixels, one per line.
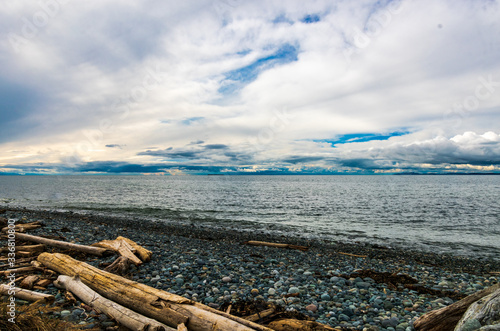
[
  {"x": 65, "y": 313},
  {"x": 325, "y": 297},
  {"x": 271, "y": 291},
  {"x": 311, "y": 307},
  {"x": 226, "y": 279},
  {"x": 254, "y": 292},
  {"x": 293, "y": 290}
]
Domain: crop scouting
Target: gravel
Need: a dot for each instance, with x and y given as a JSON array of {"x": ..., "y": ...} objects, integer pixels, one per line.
[{"x": 215, "y": 267}]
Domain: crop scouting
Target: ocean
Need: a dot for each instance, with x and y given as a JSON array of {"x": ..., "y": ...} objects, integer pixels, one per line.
[{"x": 447, "y": 214}]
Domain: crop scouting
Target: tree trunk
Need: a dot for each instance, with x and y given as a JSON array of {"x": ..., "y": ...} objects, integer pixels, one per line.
[
  {"x": 144, "y": 254},
  {"x": 165, "y": 307},
  {"x": 26, "y": 294},
  {"x": 485, "y": 311},
  {"x": 123, "y": 315},
  {"x": 121, "y": 247},
  {"x": 446, "y": 318},
  {"x": 263, "y": 243},
  {"x": 62, "y": 244}
]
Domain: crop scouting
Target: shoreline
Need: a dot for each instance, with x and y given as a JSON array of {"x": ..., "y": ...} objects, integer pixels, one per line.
[
  {"x": 215, "y": 267},
  {"x": 458, "y": 263}
]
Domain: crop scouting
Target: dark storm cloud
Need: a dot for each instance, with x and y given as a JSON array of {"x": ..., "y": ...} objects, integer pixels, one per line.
[{"x": 302, "y": 159}]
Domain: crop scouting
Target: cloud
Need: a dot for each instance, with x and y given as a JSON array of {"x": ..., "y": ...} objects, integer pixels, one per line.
[{"x": 366, "y": 86}]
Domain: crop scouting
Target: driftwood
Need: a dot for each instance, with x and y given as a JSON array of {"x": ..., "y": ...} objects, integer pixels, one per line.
[
  {"x": 446, "y": 318},
  {"x": 296, "y": 325},
  {"x": 163, "y": 306},
  {"x": 353, "y": 255},
  {"x": 29, "y": 281},
  {"x": 182, "y": 327},
  {"x": 260, "y": 315},
  {"x": 17, "y": 271},
  {"x": 26, "y": 294},
  {"x": 25, "y": 248},
  {"x": 119, "y": 267},
  {"x": 264, "y": 243},
  {"x": 144, "y": 254},
  {"x": 485, "y": 311},
  {"x": 121, "y": 247},
  {"x": 24, "y": 227},
  {"x": 124, "y": 316},
  {"x": 62, "y": 244}
]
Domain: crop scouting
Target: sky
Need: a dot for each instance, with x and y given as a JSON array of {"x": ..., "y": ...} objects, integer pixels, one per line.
[{"x": 249, "y": 87}]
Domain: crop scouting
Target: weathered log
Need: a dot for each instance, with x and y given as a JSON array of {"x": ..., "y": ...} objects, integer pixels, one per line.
[
  {"x": 264, "y": 243},
  {"x": 296, "y": 325},
  {"x": 25, "y": 248},
  {"x": 121, "y": 247},
  {"x": 144, "y": 254},
  {"x": 485, "y": 311},
  {"x": 182, "y": 327},
  {"x": 446, "y": 318},
  {"x": 260, "y": 315},
  {"x": 353, "y": 255},
  {"x": 44, "y": 282},
  {"x": 25, "y": 294},
  {"x": 24, "y": 227},
  {"x": 165, "y": 307},
  {"x": 119, "y": 267},
  {"x": 29, "y": 281},
  {"x": 122, "y": 315},
  {"x": 64, "y": 245},
  {"x": 22, "y": 270}
]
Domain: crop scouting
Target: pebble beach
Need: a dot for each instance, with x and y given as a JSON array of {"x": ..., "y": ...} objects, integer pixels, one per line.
[{"x": 216, "y": 268}]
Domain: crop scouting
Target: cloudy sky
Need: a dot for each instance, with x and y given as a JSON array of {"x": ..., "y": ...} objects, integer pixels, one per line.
[{"x": 233, "y": 86}]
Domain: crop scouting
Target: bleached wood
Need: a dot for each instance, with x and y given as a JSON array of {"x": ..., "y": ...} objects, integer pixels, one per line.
[
  {"x": 277, "y": 245},
  {"x": 446, "y": 318},
  {"x": 121, "y": 247},
  {"x": 123, "y": 315},
  {"x": 62, "y": 244},
  {"x": 163, "y": 306},
  {"x": 26, "y": 294},
  {"x": 486, "y": 311},
  {"x": 144, "y": 254}
]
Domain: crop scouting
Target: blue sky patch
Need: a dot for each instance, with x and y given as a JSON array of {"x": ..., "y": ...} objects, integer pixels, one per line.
[
  {"x": 361, "y": 137},
  {"x": 236, "y": 78},
  {"x": 310, "y": 19},
  {"x": 191, "y": 120}
]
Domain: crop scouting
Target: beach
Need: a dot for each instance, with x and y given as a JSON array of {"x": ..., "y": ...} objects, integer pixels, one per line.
[{"x": 325, "y": 282}]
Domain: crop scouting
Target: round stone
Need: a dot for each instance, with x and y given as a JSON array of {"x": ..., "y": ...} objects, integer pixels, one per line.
[
  {"x": 325, "y": 297},
  {"x": 254, "y": 292},
  {"x": 293, "y": 290},
  {"x": 226, "y": 279},
  {"x": 311, "y": 307},
  {"x": 271, "y": 291}
]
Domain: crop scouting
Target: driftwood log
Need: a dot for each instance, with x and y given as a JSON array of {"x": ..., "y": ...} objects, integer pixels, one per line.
[
  {"x": 144, "y": 254},
  {"x": 485, "y": 311},
  {"x": 122, "y": 247},
  {"x": 24, "y": 227},
  {"x": 64, "y": 245},
  {"x": 25, "y": 248},
  {"x": 17, "y": 271},
  {"x": 296, "y": 325},
  {"x": 26, "y": 294},
  {"x": 119, "y": 267},
  {"x": 163, "y": 306},
  {"x": 123, "y": 315},
  {"x": 446, "y": 318},
  {"x": 29, "y": 282},
  {"x": 277, "y": 245}
]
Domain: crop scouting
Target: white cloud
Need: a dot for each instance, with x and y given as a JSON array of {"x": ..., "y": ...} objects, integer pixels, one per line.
[{"x": 91, "y": 61}]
